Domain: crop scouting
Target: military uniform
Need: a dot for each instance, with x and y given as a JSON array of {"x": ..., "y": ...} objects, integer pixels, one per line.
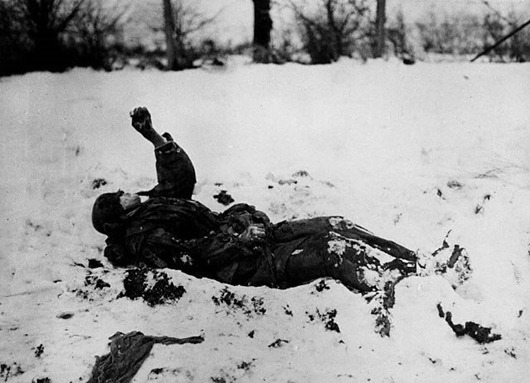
[{"x": 171, "y": 230}]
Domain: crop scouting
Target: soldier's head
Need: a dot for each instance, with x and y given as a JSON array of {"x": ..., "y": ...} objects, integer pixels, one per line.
[{"x": 109, "y": 210}]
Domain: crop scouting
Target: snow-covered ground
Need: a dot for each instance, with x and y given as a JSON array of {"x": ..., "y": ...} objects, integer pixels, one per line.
[{"x": 418, "y": 154}]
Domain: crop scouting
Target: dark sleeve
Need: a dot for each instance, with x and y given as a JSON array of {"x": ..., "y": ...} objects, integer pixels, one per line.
[
  {"x": 223, "y": 255},
  {"x": 174, "y": 170},
  {"x": 210, "y": 252},
  {"x": 160, "y": 249},
  {"x": 240, "y": 216},
  {"x": 116, "y": 253},
  {"x": 216, "y": 256}
]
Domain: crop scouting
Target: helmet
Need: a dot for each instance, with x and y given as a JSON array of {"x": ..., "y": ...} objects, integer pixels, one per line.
[{"x": 107, "y": 212}]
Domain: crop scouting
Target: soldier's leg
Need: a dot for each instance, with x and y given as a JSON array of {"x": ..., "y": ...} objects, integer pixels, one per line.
[
  {"x": 316, "y": 257},
  {"x": 350, "y": 230}
]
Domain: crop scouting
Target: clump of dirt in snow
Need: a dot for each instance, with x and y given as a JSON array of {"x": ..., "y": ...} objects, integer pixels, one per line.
[
  {"x": 10, "y": 370},
  {"x": 39, "y": 350},
  {"x": 224, "y": 198},
  {"x": 94, "y": 288},
  {"x": 162, "y": 291},
  {"x": 327, "y": 317},
  {"x": 451, "y": 263},
  {"x": 234, "y": 374},
  {"x": 98, "y": 182},
  {"x": 474, "y": 330},
  {"x": 382, "y": 321},
  {"x": 278, "y": 343},
  {"x": 321, "y": 286},
  {"x": 97, "y": 282},
  {"x": 231, "y": 302}
]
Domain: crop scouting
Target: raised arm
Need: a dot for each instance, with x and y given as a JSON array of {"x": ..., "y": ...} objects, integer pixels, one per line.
[{"x": 174, "y": 169}]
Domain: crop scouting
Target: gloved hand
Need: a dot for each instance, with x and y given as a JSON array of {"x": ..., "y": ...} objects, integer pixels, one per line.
[
  {"x": 253, "y": 233},
  {"x": 141, "y": 122}
]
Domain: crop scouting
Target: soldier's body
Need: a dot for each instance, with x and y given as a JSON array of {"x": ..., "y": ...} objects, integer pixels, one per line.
[{"x": 240, "y": 245}]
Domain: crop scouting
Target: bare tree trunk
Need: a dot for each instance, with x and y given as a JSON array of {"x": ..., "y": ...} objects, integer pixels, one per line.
[
  {"x": 262, "y": 29},
  {"x": 47, "y": 20},
  {"x": 169, "y": 28},
  {"x": 380, "y": 35},
  {"x": 335, "y": 34}
]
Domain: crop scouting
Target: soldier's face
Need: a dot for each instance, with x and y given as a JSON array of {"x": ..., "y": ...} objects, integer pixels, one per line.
[{"x": 130, "y": 201}]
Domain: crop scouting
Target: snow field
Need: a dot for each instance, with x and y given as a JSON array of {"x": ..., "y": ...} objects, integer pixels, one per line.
[{"x": 417, "y": 154}]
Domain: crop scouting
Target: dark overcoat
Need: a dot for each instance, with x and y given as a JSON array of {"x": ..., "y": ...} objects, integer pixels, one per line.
[{"x": 170, "y": 230}]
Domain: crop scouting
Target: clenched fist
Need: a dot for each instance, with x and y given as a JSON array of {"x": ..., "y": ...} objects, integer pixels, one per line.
[{"x": 141, "y": 122}]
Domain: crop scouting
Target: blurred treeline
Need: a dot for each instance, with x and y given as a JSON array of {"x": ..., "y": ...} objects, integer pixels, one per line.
[{"x": 54, "y": 35}]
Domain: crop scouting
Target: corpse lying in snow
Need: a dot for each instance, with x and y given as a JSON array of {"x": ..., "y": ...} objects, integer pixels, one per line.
[{"x": 239, "y": 246}]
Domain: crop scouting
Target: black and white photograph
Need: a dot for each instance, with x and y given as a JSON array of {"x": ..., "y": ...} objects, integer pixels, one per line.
[{"x": 280, "y": 191}]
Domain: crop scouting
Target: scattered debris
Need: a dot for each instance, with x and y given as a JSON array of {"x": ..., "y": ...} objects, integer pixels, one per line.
[
  {"x": 441, "y": 313},
  {"x": 65, "y": 315},
  {"x": 251, "y": 307},
  {"x": 444, "y": 246},
  {"x": 224, "y": 198},
  {"x": 278, "y": 343},
  {"x": 134, "y": 283},
  {"x": 246, "y": 365},
  {"x": 92, "y": 284},
  {"x": 163, "y": 291},
  {"x": 166, "y": 374},
  {"x": 453, "y": 184},
  {"x": 479, "y": 333},
  {"x": 287, "y": 182},
  {"x": 98, "y": 182},
  {"x": 382, "y": 321},
  {"x": 457, "y": 252},
  {"x": 511, "y": 352},
  {"x": 156, "y": 371},
  {"x": 83, "y": 294},
  {"x": 218, "y": 379},
  {"x": 321, "y": 286},
  {"x": 454, "y": 265},
  {"x": 38, "y": 228},
  {"x": 39, "y": 350},
  {"x": 480, "y": 207},
  {"x": 98, "y": 283},
  {"x": 301, "y": 173},
  {"x": 7, "y": 371},
  {"x": 328, "y": 318},
  {"x": 127, "y": 353}
]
